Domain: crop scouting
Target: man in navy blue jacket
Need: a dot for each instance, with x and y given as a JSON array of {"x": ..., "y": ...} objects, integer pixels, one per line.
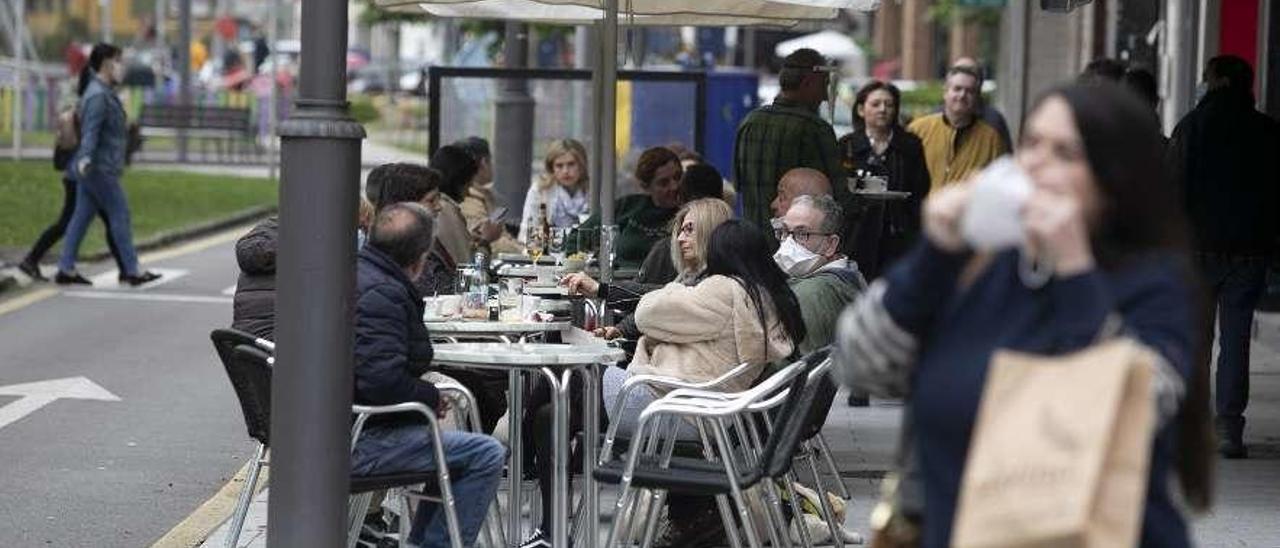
[
  {"x": 393, "y": 350},
  {"x": 1225, "y": 155}
]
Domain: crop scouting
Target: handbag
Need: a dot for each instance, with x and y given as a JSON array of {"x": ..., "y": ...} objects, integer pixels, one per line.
[{"x": 1060, "y": 450}]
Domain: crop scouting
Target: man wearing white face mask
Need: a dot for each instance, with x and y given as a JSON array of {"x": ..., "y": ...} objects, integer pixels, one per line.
[{"x": 823, "y": 279}]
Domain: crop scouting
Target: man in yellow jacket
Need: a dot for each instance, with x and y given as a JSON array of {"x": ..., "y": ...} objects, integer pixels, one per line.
[{"x": 956, "y": 142}]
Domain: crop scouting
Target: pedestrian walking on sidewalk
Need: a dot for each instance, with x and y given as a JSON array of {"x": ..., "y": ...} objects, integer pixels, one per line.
[
  {"x": 1225, "y": 153},
  {"x": 1110, "y": 244},
  {"x": 96, "y": 167},
  {"x": 30, "y": 264}
]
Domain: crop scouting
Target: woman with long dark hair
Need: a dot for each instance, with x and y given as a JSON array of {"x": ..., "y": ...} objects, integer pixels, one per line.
[
  {"x": 97, "y": 165},
  {"x": 456, "y": 167},
  {"x": 741, "y": 311},
  {"x": 1110, "y": 243},
  {"x": 880, "y": 147}
]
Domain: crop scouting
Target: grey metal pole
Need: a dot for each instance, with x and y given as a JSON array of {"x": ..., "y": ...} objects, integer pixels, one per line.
[
  {"x": 273, "y": 110},
  {"x": 184, "y": 70},
  {"x": 162, "y": 12},
  {"x": 608, "y": 101},
  {"x": 311, "y": 395},
  {"x": 107, "y": 35},
  {"x": 590, "y": 58},
  {"x": 19, "y": 77},
  {"x": 513, "y": 123}
]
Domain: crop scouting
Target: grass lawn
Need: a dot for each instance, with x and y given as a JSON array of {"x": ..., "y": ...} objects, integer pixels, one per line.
[{"x": 159, "y": 201}]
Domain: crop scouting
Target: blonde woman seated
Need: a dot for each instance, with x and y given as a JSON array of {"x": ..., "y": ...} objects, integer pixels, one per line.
[
  {"x": 740, "y": 310},
  {"x": 692, "y": 224},
  {"x": 563, "y": 187}
]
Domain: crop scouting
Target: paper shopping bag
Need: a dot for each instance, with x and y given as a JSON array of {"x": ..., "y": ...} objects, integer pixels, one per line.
[{"x": 1060, "y": 450}]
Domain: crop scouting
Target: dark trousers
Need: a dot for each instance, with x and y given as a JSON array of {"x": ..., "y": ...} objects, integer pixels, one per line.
[
  {"x": 55, "y": 231},
  {"x": 1233, "y": 285}
]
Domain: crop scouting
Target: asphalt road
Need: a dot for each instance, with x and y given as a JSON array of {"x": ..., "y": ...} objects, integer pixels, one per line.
[{"x": 86, "y": 472}]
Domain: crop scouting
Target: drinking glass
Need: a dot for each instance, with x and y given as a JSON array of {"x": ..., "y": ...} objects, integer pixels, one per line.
[
  {"x": 608, "y": 251},
  {"x": 559, "y": 237}
]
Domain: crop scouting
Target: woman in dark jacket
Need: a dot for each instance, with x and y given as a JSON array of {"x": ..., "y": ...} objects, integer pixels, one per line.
[
  {"x": 879, "y": 146},
  {"x": 1110, "y": 245},
  {"x": 253, "y": 309}
]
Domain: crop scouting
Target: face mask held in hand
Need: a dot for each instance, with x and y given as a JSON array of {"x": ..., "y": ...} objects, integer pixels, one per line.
[
  {"x": 993, "y": 219},
  {"x": 796, "y": 260}
]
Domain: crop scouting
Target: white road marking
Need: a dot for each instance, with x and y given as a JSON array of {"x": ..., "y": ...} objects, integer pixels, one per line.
[
  {"x": 154, "y": 297},
  {"x": 39, "y": 394},
  {"x": 111, "y": 278}
]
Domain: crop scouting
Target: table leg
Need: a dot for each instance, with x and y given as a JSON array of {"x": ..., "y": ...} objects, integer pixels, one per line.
[
  {"x": 592, "y": 417},
  {"x": 559, "y": 385},
  {"x": 515, "y": 470}
]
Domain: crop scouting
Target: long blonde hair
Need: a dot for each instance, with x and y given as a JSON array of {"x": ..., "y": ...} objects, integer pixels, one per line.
[
  {"x": 706, "y": 214},
  {"x": 558, "y": 148}
]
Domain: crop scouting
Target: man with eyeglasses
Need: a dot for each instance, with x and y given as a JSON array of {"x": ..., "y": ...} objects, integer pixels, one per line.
[
  {"x": 956, "y": 141},
  {"x": 823, "y": 279},
  {"x": 784, "y": 135}
]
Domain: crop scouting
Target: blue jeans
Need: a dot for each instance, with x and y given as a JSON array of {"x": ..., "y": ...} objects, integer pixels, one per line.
[
  {"x": 1234, "y": 284},
  {"x": 475, "y": 469},
  {"x": 96, "y": 193}
]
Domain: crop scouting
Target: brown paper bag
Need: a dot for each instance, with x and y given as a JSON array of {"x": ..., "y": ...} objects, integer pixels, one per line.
[{"x": 1060, "y": 451}]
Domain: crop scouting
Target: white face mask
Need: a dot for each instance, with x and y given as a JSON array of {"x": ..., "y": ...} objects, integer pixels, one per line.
[
  {"x": 993, "y": 219},
  {"x": 796, "y": 260}
]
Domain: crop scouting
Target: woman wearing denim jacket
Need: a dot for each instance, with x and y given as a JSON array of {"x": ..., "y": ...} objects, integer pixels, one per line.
[{"x": 97, "y": 166}]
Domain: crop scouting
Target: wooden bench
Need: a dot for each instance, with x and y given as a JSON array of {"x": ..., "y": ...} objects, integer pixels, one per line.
[{"x": 229, "y": 126}]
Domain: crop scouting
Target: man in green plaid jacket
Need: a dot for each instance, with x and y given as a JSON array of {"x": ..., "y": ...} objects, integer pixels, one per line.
[{"x": 786, "y": 134}]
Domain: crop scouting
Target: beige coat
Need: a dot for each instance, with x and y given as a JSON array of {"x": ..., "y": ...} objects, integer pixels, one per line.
[
  {"x": 451, "y": 231},
  {"x": 697, "y": 333},
  {"x": 476, "y": 207}
]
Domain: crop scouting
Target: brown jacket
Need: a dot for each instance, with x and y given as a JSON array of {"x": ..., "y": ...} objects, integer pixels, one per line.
[
  {"x": 476, "y": 207},
  {"x": 697, "y": 333}
]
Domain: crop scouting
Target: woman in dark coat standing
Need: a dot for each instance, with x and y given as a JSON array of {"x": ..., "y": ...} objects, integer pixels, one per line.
[{"x": 880, "y": 146}]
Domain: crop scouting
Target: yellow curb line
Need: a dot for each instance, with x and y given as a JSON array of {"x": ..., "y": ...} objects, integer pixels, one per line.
[
  {"x": 24, "y": 301},
  {"x": 197, "y": 527}
]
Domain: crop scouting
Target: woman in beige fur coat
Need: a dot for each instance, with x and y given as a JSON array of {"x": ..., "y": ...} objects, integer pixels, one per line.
[{"x": 740, "y": 311}]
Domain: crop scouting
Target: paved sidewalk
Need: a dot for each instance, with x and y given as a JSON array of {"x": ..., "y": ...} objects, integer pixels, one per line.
[{"x": 863, "y": 441}]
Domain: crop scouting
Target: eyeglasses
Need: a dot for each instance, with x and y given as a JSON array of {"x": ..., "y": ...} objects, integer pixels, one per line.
[
  {"x": 686, "y": 230},
  {"x": 801, "y": 235}
]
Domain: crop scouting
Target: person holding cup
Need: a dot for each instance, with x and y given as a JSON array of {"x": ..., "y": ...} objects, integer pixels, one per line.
[
  {"x": 893, "y": 160},
  {"x": 1078, "y": 231}
]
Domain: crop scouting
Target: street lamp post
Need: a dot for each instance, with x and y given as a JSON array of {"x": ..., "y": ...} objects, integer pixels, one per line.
[
  {"x": 19, "y": 78},
  {"x": 513, "y": 113},
  {"x": 184, "y": 70},
  {"x": 311, "y": 394}
]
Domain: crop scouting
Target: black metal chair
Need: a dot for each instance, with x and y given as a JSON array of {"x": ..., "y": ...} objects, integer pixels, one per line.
[
  {"x": 727, "y": 470},
  {"x": 248, "y": 363}
]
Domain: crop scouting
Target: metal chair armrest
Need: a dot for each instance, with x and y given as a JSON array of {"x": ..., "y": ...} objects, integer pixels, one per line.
[
  {"x": 463, "y": 393},
  {"x": 363, "y": 412},
  {"x": 659, "y": 380}
]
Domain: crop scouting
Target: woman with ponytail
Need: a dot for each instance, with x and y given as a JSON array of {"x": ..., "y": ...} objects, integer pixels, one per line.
[{"x": 97, "y": 165}]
